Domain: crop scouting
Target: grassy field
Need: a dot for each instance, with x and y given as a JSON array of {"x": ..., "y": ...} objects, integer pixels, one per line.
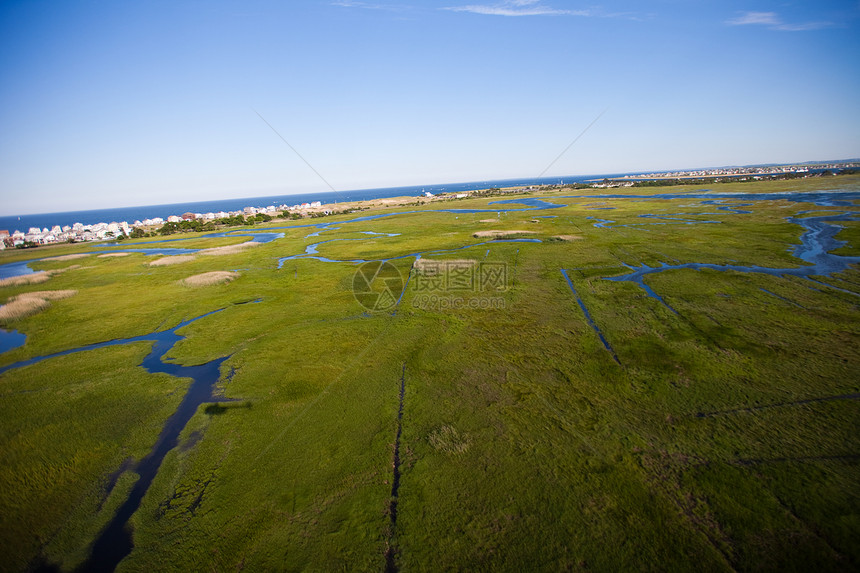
[{"x": 723, "y": 438}]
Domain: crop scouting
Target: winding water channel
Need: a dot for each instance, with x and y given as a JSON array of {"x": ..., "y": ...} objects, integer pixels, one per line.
[
  {"x": 115, "y": 542},
  {"x": 815, "y": 243},
  {"x": 814, "y": 250}
]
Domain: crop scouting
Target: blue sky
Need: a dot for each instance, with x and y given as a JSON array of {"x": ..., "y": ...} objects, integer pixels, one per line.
[{"x": 106, "y": 104}]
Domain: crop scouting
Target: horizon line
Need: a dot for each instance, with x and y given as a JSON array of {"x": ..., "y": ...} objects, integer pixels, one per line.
[{"x": 237, "y": 198}]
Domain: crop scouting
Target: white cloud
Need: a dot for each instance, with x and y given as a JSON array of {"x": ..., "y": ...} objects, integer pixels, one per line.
[
  {"x": 772, "y": 21},
  {"x": 517, "y": 8},
  {"x": 764, "y": 18}
]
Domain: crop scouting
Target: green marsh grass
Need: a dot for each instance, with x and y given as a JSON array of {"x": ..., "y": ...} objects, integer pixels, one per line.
[{"x": 719, "y": 442}]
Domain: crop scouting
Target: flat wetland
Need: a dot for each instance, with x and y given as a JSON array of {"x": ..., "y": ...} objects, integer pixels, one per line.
[{"x": 702, "y": 420}]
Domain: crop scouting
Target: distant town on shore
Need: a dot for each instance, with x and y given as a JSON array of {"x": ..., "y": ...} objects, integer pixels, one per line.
[
  {"x": 117, "y": 231},
  {"x": 755, "y": 173}
]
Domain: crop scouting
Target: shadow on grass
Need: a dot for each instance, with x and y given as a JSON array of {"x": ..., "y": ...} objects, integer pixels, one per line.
[{"x": 222, "y": 407}]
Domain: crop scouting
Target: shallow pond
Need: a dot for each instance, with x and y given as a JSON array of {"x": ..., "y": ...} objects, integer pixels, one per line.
[{"x": 10, "y": 339}]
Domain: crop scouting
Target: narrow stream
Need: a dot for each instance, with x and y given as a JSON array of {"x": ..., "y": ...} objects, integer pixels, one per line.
[
  {"x": 814, "y": 248},
  {"x": 390, "y": 564},
  {"x": 588, "y": 318},
  {"x": 820, "y": 198},
  {"x": 311, "y": 251},
  {"x": 115, "y": 541},
  {"x": 791, "y": 302}
]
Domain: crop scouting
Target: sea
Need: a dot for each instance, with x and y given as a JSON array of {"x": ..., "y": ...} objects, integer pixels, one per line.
[{"x": 132, "y": 214}]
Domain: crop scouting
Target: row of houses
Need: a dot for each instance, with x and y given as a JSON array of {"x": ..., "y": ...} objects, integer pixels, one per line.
[
  {"x": 106, "y": 231},
  {"x": 58, "y": 234},
  {"x": 247, "y": 211}
]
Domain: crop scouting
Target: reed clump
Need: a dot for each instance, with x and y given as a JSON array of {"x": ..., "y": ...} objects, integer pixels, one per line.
[
  {"x": 210, "y": 278},
  {"x": 31, "y": 303}
]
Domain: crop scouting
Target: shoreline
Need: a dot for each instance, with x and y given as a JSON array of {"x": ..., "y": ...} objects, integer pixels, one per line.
[
  {"x": 327, "y": 210},
  {"x": 93, "y": 216}
]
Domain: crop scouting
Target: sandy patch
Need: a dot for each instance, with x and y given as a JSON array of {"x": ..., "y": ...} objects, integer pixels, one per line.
[
  {"x": 67, "y": 257},
  {"x": 488, "y": 221},
  {"x": 211, "y": 278},
  {"x": 35, "y": 278},
  {"x": 46, "y": 294},
  {"x": 495, "y": 234},
  {"x": 567, "y": 237},
  {"x": 109, "y": 255},
  {"x": 21, "y": 308},
  {"x": 395, "y": 200},
  {"x": 171, "y": 260},
  {"x": 229, "y": 249},
  {"x": 31, "y": 279},
  {"x": 31, "y": 303}
]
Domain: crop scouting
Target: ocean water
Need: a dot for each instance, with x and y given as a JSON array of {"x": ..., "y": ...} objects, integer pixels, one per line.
[{"x": 131, "y": 214}]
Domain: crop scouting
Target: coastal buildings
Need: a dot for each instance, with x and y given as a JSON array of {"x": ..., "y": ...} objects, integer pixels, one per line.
[
  {"x": 754, "y": 171},
  {"x": 79, "y": 232}
]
